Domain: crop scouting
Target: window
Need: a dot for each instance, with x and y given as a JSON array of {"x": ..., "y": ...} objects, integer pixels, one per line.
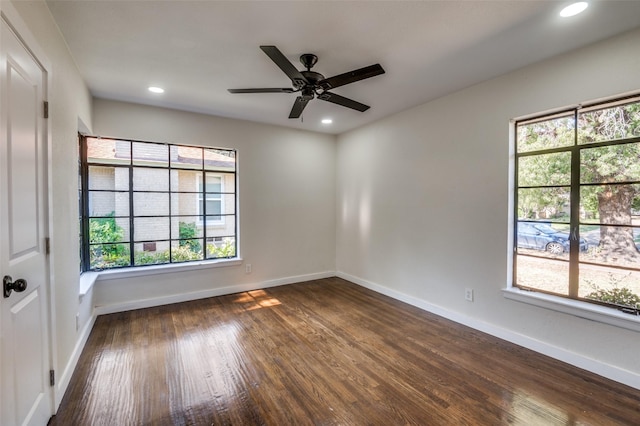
[
  {"x": 212, "y": 193},
  {"x": 144, "y": 203},
  {"x": 577, "y": 204}
]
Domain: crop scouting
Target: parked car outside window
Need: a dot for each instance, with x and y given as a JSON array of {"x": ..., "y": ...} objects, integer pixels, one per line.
[{"x": 541, "y": 236}]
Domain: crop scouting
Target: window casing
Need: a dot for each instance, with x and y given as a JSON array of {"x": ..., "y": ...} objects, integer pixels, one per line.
[
  {"x": 577, "y": 204},
  {"x": 143, "y": 203}
]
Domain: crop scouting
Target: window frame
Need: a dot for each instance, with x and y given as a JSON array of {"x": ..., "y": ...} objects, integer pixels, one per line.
[
  {"x": 133, "y": 164},
  {"x": 571, "y": 303}
]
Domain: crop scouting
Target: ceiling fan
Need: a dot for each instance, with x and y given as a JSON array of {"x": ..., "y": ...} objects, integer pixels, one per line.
[{"x": 311, "y": 84}]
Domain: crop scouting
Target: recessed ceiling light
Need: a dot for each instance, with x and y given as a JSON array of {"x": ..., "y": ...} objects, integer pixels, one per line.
[
  {"x": 574, "y": 9},
  {"x": 156, "y": 89},
  {"x": 327, "y": 121}
]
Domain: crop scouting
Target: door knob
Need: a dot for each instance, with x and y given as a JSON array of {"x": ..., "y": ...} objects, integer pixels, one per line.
[{"x": 9, "y": 285}]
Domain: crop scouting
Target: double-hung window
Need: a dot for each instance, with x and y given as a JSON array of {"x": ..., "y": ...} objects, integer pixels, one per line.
[
  {"x": 577, "y": 204},
  {"x": 144, "y": 203}
]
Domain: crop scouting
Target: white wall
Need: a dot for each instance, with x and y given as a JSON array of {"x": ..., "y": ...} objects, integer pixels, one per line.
[
  {"x": 69, "y": 102},
  {"x": 286, "y": 189},
  {"x": 423, "y": 201}
]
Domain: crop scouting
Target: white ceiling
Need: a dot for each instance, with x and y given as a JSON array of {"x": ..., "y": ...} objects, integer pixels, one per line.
[{"x": 196, "y": 50}]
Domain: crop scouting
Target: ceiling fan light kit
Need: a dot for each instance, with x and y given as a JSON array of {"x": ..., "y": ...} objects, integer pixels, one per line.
[{"x": 311, "y": 84}]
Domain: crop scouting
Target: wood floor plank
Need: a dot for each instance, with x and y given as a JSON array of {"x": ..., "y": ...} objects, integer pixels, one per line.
[{"x": 326, "y": 352}]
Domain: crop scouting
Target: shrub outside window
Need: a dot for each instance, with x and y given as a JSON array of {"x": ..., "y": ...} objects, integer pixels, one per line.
[
  {"x": 577, "y": 204},
  {"x": 143, "y": 203}
]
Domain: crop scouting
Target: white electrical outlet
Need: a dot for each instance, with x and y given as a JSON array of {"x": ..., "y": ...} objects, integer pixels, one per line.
[
  {"x": 468, "y": 294},
  {"x": 247, "y": 268}
]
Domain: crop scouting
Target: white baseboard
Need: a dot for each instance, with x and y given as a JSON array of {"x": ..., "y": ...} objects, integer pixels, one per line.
[
  {"x": 605, "y": 370},
  {"x": 177, "y": 298},
  {"x": 65, "y": 377}
]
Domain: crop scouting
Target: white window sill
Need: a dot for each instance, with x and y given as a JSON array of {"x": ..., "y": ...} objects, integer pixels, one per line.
[
  {"x": 88, "y": 279},
  {"x": 575, "y": 307}
]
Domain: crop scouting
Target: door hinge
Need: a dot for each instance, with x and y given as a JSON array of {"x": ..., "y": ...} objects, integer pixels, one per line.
[
  {"x": 47, "y": 246},
  {"x": 46, "y": 109},
  {"x": 52, "y": 377}
]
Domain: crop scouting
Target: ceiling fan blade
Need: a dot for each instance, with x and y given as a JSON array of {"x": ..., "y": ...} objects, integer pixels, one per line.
[
  {"x": 341, "y": 100},
  {"x": 287, "y": 67},
  {"x": 351, "y": 77},
  {"x": 298, "y": 107},
  {"x": 262, "y": 90}
]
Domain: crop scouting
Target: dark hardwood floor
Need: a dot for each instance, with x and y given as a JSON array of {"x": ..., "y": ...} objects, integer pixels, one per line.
[{"x": 322, "y": 353}]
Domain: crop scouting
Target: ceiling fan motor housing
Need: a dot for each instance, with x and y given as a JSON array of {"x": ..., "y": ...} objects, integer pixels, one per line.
[
  {"x": 312, "y": 77},
  {"x": 307, "y": 93}
]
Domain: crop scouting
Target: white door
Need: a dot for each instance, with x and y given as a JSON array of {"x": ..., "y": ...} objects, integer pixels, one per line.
[{"x": 25, "y": 397}]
